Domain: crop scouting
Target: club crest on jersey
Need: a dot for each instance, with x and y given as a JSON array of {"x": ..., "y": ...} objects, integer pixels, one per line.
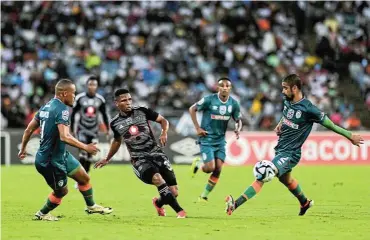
[
  {"x": 230, "y": 109},
  {"x": 290, "y": 114},
  {"x": 222, "y": 110},
  {"x": 134, "y": 130},
  {"x": 298, "y": 114},
  {"x": 60, "y": 183},
  {"x": 65, "y": 115}
]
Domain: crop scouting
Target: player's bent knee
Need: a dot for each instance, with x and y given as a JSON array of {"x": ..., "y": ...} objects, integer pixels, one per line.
[{"x": 157, "y": 179}]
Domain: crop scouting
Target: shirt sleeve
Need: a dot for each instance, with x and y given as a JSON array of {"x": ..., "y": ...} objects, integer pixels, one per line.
[
  {"x": 315, "y": 114},
  {"x": 116, "y": 134},
  {"x": 37, "y": 116},
  {"x": 203, "y": 104},
  {"x": 236, "y": 113},
  {"x": 62, "y": 116},
  {"x": 150, "y": 114}
]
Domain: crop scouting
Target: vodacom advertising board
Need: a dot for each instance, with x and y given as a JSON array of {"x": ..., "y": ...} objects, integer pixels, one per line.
[{"x": 319, "y": 148}]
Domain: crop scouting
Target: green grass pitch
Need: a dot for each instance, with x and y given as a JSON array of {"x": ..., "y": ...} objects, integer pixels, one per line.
[{"x": 341, "y": 211}]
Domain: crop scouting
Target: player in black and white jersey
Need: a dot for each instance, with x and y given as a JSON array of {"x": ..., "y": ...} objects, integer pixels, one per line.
[
  {"x": 150, "y": 164},
  {"x": 88, "y": 105}
]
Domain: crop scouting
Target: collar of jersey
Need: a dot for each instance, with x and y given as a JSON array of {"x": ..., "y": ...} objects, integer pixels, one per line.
[
  {"x": 298, "y": 101},
  {"x": 218, "y": 95}
]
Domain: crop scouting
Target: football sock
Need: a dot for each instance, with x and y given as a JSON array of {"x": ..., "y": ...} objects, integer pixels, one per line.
[
  {"x": 51, "y": 203},
  {"x": 212, "y": 181},
  {"x": 87, "y": 192},
  {"x": 167, "y": 198},
  {"x": 250, "y": 192},
  {"x": 296, "y": 190}
]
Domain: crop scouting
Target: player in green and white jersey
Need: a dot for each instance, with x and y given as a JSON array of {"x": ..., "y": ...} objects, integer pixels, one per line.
[
  {"x": 299, "y": 114},
  {"x": 217, "y": 109},
  {"x": 53, "y": 161}
]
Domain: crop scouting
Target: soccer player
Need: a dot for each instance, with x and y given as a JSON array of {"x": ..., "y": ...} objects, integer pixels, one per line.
[
  {"x": 52, "y": 161},
  {"x": 299, "y": 114},
  {"x": 217, "y": 110},
  {"x": 149, "y": 162},
  {"x": 88, "y": 105}
]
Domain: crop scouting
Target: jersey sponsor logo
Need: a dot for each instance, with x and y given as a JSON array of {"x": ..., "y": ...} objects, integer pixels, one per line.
[
  {"x": 222, "y": 110},
  {"x": 298, "y": 114},
  {"x": 134, "y": 130},
  {"x": 65, "y": 115},
  {"x": 201, "y": 101},
  {"x": 44, "y": 114},
  {"x": 290, "y": 124},
  {"x": 230, "y": 109},
  {"x": 219, "y": 117},
  {"x": 290, "y": 114}
]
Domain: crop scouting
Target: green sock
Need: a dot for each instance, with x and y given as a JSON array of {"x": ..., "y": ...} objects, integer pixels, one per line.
[
  {"x": 250, "y": 192},
  {"x": 296, "y": 190},
  {"x": 212, "y": 181},
  {"x": 49, "y": 206},
  {"x": 88, "y": 196}
]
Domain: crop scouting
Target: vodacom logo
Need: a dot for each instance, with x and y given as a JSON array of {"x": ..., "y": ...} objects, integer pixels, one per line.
[{"x": 237, "y": 151}]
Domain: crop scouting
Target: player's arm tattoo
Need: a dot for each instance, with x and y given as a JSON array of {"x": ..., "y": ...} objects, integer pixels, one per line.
[
  {"x": 32, "y": 126},
  {"x": 335, "y": 128},
  {"x": 115, "y": 145}
]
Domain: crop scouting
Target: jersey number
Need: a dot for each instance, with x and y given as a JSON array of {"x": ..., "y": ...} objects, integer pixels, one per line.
[{"x": 42, "y": 129}]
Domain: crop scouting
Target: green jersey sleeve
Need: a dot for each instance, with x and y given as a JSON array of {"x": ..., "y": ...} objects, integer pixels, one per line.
[
  {"x": 204, "y": 103},
  {"x": 62, "y": 116},
  {"x": 315, "y": 114}
]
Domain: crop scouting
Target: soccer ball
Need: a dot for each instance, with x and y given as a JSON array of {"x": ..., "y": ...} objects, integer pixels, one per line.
[{"x": 264, "y": 171}]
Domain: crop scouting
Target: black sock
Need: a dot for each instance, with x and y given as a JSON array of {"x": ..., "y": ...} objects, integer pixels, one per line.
[{"x": 167, "y": 198}]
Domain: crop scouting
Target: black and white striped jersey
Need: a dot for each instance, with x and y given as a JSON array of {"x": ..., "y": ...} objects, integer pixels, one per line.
[
  {"x": 88, "y": 108},
  {"x": 135, "y": 131}
]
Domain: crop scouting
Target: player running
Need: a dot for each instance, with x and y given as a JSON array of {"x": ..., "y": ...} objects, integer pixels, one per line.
[
  {"x": 299, "y": 114},
  {"x": 149, "y": 162},
  {"x": 217, "y": 110},
  {"x": 88, "y": 105},
  {"x": 52, "y": 161}
]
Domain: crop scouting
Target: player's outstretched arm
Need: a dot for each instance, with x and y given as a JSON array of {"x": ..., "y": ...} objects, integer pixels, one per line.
[
  {"x": 164, "y": 124},
  {"x": 115, "y": 145},
  {"x": 277, "y": 129},
  {"x": 354, "y": 138},
  {"x": 67, "y": 137},
  {"x": 32, "y": 126},
  {"x": 193, "y": 114}
]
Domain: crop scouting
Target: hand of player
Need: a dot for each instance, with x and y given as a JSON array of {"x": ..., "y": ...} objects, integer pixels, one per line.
[
  {"x": 163, "y": 139},
  {"x": 22, "y": 154},
  {"x": 92, "y": 148},
  {"x": 356, "y": 139},
  {"x": 201, "y": 132},
  {"x": 237, "y": 132},
  {"x": 277, "y": 129},
  {"x": 101, "y": 163}
]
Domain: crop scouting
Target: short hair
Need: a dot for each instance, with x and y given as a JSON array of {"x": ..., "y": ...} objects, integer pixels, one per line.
[
  {"x": 224, "y": 79},
  {"x": 91, "y": 78},
  {"x": 62, "y": 85},
  {"x": 293, "y": 79},
  {"x": 120, "y": 91}
]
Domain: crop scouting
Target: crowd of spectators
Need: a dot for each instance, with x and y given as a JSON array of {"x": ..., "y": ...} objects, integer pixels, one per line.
[{"x": 170, "y": 54}]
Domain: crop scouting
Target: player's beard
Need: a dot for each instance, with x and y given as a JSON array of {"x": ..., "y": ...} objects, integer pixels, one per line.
[{"x": 289, "y": 98}]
